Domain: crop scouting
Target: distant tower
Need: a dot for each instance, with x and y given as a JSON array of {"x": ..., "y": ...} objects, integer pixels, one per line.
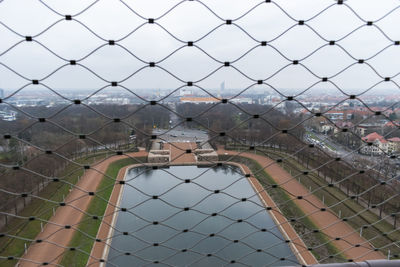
[
  {"x": 1, "y": 93},
  {"x": 221, "y": 88}
]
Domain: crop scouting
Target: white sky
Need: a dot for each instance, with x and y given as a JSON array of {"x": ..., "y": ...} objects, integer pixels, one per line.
[{"x": 111, "y": 19}]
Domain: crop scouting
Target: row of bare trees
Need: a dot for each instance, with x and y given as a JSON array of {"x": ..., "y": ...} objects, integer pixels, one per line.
[{"x": 42, "y": 149}]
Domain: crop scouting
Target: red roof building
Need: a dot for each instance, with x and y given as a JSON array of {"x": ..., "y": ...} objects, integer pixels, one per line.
[
  {"x": 380, "y": 145},
  {"x": 372, "y": 137}
]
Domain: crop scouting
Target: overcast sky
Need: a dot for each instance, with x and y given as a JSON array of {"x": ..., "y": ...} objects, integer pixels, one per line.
[{"x": 191, "y": 20}]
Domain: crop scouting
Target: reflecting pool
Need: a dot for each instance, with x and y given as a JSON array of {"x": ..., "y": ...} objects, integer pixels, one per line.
[{"x": 158, "y": 230}]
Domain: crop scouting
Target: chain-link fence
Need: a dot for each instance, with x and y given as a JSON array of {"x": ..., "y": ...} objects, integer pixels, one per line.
[{"x": 192, "y": 133}]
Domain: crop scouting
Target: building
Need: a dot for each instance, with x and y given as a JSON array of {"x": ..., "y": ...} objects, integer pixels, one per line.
[
  {"x": 241, "y": 100},
  {"x": 365, "y": 128},
  {"x": 334, "y": 115},
  {"x": 8, "y": 115},
  {"x": 326, "y": 128},
  {"x": 392, "y": 124},
  {"x": 394, "y": 145},
  {"x": 221, "y": 89},
  {"x": 185, "y": 92},
  {"x": 360, "y": 130},
  {"x": 343, "y": 125},
  {"x": 1, "y": 93},
  {"x": 198, "y": 100},
  {"x": 380, "y": 145}
]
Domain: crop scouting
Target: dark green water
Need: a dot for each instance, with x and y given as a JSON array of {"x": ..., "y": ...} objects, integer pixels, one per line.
[{"x": 168, "y": 211}]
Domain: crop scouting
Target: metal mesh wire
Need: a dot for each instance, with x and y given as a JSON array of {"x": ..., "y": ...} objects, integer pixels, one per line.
[{"x": 334, "y": 197}]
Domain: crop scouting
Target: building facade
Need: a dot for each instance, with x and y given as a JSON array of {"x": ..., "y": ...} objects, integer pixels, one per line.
[{"x": 380, "y": 145}]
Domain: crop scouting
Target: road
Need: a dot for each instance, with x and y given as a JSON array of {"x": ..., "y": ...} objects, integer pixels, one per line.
[
  {"x": 328, "y": 144},
  {"x": 178, "y": 131},
  {"x": 350, "y": 156}
]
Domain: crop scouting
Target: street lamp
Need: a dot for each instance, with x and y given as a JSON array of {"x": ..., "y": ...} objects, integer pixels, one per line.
[{"x": 208, "y": 123}]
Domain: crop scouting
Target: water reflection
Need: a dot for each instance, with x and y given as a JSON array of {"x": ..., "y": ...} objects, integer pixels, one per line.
[{"x": 162, "y": 231}]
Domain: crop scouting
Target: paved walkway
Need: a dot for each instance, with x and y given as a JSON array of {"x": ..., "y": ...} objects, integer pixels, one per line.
[
  {"x": 327, "y": 222},
  {"x": 178, "y": 152},
  {"x": 55, "y": 237}
]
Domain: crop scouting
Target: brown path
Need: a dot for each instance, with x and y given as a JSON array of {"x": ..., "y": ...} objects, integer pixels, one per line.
[
  {"x": 54, "y": 234},
  {"x": 178, "y": 152},
  {"x": 329, "y": 223}
]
